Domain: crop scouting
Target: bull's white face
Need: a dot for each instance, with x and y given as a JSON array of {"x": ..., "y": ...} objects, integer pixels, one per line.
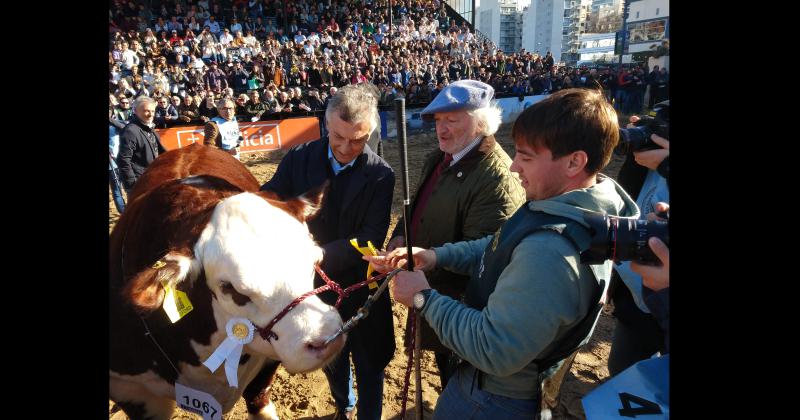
[{"x": 257, "y": 259}]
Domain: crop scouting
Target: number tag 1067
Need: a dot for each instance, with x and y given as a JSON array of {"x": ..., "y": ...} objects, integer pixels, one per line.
[{"x": 198, "y": 402}]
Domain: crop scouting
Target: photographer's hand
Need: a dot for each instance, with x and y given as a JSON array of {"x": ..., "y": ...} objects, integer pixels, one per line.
[
  {"x": 655, "y": 277},
  {"x": 652, "y": 158}
]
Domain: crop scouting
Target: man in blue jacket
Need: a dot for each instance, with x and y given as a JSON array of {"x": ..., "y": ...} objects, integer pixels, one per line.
[
  {"x": 529, "y": 302},
  {"x": 357, "y": 205}
]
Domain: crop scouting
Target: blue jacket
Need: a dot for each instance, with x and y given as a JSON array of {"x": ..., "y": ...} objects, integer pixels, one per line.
[{"x": 541, "y": 294}]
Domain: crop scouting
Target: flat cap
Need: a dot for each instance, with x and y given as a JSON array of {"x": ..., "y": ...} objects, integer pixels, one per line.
[{"x": 462, "y": 95}]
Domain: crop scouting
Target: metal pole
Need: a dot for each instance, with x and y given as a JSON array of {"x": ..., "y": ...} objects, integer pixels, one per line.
[
  {"x": 625, "y": 6},
  {"x": 400, "y": 110}
]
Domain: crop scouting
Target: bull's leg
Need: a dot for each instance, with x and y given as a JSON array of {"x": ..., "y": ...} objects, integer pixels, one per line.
[
  {"x": 138, "y": 403},
  {"x": 152, "y": 409},
  {"x": 256, "y": 395}
]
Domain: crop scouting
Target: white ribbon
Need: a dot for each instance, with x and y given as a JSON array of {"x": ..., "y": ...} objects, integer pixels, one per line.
[{"x": 230, "y": 350}]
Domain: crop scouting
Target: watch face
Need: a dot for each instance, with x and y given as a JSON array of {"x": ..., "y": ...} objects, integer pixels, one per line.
[{"x": 419, "y": 300}]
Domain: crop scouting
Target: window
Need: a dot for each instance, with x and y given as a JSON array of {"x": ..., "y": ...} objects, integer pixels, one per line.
[
  {"x": 657, "y": 11},
  {"x": 637, "y": 15}
]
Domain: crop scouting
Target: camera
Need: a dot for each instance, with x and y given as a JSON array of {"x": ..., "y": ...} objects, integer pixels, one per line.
[
  {"x": 622, "y": 239},
  {"x": 637, "y": 138}
]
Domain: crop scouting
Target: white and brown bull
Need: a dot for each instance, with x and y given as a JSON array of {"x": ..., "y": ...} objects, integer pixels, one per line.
[{"x": 197, "y": 222}]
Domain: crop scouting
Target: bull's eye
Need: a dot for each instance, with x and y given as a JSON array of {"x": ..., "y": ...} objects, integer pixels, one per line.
[{"x": 238, "y": 298}]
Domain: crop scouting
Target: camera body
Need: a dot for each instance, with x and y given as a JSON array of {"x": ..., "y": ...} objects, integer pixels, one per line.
[
  {"x": 637, "y": 138},
  {"x": 622, "y": 239}
]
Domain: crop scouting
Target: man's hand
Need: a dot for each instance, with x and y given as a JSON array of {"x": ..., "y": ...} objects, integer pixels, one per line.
[
  {"x": 406, "y": 284},
  {"x": 396, "y": 242},
  {"x": 655, "y": 277},
  {"x": 424, "y": 259},
  {"x": 652, "y": 158}
]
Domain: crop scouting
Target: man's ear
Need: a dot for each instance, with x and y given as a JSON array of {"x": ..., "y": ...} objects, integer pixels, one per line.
[
  {"x": 576, "y": 162},
  {"x": 145, "y": 291}
]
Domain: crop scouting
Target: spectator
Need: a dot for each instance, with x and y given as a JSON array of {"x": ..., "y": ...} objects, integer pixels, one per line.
[
  {"x": 241, "y": 103},
  {"x": 237, "y": 78},
  {"x": 139, "y": 143},
  {"x": 342, "y": 159},
  {"x": 166, "y": 114},
  {"x": 215, "y": 79},
  {"x": 213, "y": 25},
  {"x": 255, "y": 108},
  {"x": 208, "y": 108},
  {"x": 123, "y": 112},
  {"x": 226, "y": 38},
  {"x": 188, "y": 111},
  {"x": 113, "y": 170}
]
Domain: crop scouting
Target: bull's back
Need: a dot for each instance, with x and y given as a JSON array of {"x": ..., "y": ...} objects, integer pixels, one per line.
[{"x": 194, "y": 160}]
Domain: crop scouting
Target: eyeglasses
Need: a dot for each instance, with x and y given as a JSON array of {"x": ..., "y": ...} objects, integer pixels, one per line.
[{"x": 124, "y": 102}]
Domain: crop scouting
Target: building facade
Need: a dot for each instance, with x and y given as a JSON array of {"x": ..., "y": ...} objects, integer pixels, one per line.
[
  {"x": 501, "y": 21},
  {"x": 647, "y": 24},
  {"x": 541, "y": 27},
  {"x": 597, "y": 48},
  {"x": 574, "y": 24}
]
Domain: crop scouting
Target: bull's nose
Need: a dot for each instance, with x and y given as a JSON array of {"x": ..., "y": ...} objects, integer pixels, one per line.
[{"x": 323, "y": 352}]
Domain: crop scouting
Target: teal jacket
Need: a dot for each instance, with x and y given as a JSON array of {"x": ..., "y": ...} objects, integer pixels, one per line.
[{"x": 542, "y": 293}]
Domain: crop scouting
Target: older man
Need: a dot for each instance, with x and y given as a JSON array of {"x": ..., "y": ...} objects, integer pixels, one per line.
[
  {"x": 357, "y": 205},
  {"x": 139, "y": 143},
  {"x": 530, "y": 302},
  {"x": 223, "y": 131},
  {"x": 466, "y": 190}
]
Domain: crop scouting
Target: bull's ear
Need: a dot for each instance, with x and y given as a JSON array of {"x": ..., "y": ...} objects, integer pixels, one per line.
[
  {"x": 312, "y": 200},
  {"x": 145, "y": 290}
]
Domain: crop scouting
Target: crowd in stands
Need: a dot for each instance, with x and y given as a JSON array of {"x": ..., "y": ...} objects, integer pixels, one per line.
[{"x": 189, "y": 51}]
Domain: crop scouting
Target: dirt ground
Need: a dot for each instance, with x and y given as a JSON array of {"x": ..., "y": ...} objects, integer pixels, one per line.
[{"x": 306, "y": 396}]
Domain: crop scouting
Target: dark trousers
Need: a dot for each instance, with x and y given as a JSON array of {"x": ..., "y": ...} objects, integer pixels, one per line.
[{"x": 447, "y": 364}]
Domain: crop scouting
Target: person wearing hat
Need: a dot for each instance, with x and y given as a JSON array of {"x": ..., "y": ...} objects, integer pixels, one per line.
[
  {"x": 466, "y": 190},
  {"x": 530, "y": 302}
]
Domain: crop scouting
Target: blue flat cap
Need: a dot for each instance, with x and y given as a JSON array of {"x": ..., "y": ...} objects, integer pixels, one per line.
[{"x": 462, "y": 95}]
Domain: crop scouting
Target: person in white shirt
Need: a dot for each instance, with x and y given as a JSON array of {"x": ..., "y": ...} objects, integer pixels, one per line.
[
  {"x": 129, "y": 59},
  {"x": 299, "y": 38},
  {"x": 223, "y": 131},
  {"x": 226, "y": 38}
]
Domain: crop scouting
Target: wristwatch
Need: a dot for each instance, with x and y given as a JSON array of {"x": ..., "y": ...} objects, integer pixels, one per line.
[{"x": 421, "y": 298}]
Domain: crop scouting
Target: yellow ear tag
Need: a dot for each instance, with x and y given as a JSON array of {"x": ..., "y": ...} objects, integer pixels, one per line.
[
  {"x": 367, "y": 250},
  {"x": 176, "y": 303}
]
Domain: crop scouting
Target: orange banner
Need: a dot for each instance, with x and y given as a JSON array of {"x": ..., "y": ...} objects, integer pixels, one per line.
[{"x": 258, "y": 136}]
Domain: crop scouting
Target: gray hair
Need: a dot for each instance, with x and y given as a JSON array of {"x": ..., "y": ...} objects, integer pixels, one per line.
[
  {"x": 143, "y": 100},
  {"x": 221, "y": 103},
  {"x": 355, "y": 104},
  {"x": 488, "y": 118}
]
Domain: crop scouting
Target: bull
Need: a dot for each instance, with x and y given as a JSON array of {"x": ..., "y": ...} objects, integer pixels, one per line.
[{"x": 196, "y": 223}]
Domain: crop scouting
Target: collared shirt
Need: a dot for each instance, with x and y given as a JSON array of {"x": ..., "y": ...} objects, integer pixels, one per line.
[
  {"x": 335, "y": 165},
  {"x": 461, "y": 154}
]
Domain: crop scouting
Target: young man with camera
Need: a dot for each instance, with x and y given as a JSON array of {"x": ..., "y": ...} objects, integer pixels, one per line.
[{"x": 529, "y": 303}]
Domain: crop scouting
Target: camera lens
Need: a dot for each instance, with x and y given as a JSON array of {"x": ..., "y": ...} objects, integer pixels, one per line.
[
  {"x": 634, "y": 139},
  {"x": 622, "y": 239}
]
